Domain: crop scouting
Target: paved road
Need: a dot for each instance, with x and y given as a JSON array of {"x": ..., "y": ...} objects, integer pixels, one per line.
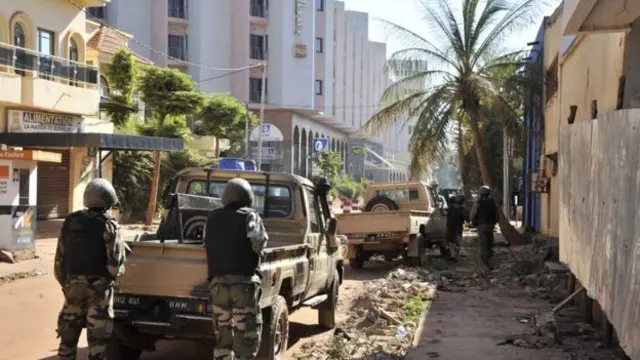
[{"x": 29, "y": 310}]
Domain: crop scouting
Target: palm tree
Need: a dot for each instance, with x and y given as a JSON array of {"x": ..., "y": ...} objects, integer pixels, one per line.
[{"x": 469, "y": 71}]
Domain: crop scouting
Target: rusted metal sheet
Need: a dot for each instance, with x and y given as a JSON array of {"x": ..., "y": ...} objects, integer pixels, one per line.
[{"x": 599, "y": 194}]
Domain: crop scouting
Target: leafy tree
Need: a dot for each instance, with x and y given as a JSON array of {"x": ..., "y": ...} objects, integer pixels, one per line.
[
  {"x": 223, "y": 116},
  {"x": 122, "y": 76},
  {"x": 329, "y": 162},
  {"x": 463, "y": 75},
  {"x": 168, "y": 92}
]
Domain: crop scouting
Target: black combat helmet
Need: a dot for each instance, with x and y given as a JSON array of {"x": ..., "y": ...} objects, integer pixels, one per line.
[
  {"x": 100, "y": 194},
  {"x": 239, "y": 191},
  {"x": 484, "y": 191}
]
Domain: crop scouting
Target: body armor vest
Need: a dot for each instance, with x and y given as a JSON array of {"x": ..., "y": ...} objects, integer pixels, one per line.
[
  {"x": 229, "y": 251},
  {"x": 487, "y": 213},
  {"x": 84, "y": 245}
]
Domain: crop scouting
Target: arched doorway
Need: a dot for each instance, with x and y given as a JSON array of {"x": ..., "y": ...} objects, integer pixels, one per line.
[
  {"x": 304, "y": 151},
  {"x": 296, "y": 150}
]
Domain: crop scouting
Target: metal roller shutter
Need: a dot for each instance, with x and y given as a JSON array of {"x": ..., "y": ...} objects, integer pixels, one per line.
[{"x": 53, "y": 187}]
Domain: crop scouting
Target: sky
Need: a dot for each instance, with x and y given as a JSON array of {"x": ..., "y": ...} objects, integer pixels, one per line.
[{"x": 408, "y": 13}]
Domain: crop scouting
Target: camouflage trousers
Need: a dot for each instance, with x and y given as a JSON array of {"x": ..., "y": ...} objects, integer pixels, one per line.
[
  {"x": 88, "y": 303},
  {"x": 485, "y": 243},
  {"x": 237, "y": 320}
]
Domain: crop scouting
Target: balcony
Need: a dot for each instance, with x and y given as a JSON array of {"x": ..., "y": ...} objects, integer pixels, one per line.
[
  {"x": 51, "y": 83},
  {"x": 599, "y": 15},
  {"x": 259, "y": 12},
  {"x": 92, "y": 3},
  {"x": 258, "y": 53},
  {"x": 178, "y": 13}
]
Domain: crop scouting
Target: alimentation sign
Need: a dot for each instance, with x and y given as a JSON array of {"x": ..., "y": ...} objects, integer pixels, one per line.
[{"x": 31, "y": 121}]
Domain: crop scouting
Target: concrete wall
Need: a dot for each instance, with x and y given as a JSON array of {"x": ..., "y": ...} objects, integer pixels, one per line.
[{"x": 599, "y": 197}]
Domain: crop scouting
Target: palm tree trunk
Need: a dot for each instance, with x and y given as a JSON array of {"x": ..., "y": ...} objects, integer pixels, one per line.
[
  {"x": 511, "y": 235},
  {"x": 155, "y": 183},
  {"x": 461, "y": 164}
]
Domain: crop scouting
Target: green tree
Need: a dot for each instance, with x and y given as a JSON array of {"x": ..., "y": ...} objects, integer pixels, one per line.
[
  {"x": 223, "y": 116},
  {"x": 122, "y": 76},
  {"x": 168, "y": 92},
  {"x": 329, "y": 162},
  {"x": 462, "y": 74}
]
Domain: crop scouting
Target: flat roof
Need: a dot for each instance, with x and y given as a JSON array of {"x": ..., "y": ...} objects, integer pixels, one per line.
[{"x": 97, "y": 140}]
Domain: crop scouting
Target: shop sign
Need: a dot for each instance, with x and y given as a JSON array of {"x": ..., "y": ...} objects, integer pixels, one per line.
[
  {"x": 39, "y": 122},
  {"x": 299, "y": 7},
  {"x": 24, "y": 227}
]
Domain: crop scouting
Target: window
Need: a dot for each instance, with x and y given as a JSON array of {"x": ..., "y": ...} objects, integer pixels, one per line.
[
  {"x": 257, "y": 47},
  {"x": 320, "y": 5},
  {"x": 178, "y": 9},
  {"x": 96, "y": 12},
  {"x": 315, "y": 221},
  {"x": 259, "y": 8},
  {"x": 400, "y": 195},
  {"x": 73, "y": 56},
  {"x": 255, "y": 89},
  {"x": 18, "y": 36},
  {"x": 279, "y": 196},
  {"x": 319, "y": 45},
  {"x": 45, "y": 48},
  {"x": 178, "y": 47},
  {"x": 318, "y": 87},
  {"x": 104, "y": 87}
]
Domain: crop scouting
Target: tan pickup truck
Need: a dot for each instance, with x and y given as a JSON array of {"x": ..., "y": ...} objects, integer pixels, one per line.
[
  {"x": 164, "y": 293},
  {"x": 398, "y": 219}
]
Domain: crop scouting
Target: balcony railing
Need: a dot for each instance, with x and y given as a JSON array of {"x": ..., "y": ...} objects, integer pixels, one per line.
[
  {"x": 259, "y": 11},
  {"x": 258, "y": 53},
  {"x": 24, "y": 61}
]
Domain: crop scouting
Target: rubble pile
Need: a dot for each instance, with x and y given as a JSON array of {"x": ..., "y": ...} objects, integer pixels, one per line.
[
  {"x": 382, "y": 321},
  {"x": 4, "y": 279}
]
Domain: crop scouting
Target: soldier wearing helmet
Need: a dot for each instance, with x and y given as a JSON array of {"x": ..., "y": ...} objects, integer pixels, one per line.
[
  {"x": 457, "y": 214},
  {"x": 484, "y": 216},
  {"x": 234, "y": 238},
  {"x": 90, "y": 256}
]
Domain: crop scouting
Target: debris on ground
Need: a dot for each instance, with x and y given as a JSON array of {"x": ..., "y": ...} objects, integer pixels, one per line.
[
  {"x": 383, "y": 320},
  {"x": 4, "y": 279}
]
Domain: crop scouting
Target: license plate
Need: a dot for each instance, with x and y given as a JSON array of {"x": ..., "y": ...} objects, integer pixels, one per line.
[
  {"x": 186, "y": 306},
  {"x": 124, "y": 300}
]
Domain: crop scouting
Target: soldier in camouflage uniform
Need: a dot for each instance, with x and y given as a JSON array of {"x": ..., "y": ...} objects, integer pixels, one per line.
[
  {"x": 89, "y": 257},
  {"x": 484, "y": 216},
  {"x": 457, "y": 214},
  {"x": 234, "y": 239}
]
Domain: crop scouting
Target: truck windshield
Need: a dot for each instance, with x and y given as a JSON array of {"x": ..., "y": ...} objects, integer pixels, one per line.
[{"x": 279, "y": 196}]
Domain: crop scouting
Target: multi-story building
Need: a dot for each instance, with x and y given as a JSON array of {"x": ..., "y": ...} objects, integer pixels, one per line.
[{"x": 323, "y": 75}]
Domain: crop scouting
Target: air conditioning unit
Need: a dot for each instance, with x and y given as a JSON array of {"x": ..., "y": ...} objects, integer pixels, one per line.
[{"x": 538, "y": 183}]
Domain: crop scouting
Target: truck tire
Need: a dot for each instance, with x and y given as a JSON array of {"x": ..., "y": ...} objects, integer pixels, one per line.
[
  {"x": 275, "y": 331},
  {"x": 380, "y": 203},
  {"x": 421, "y": 259},
  {"x": 327, "y": 309},
  {"x": 194, "y": 228},
  {"x": 116, "y": 350}
]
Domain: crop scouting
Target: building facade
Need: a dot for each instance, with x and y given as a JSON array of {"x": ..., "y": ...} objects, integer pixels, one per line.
[
  {"x": 49, "y": 86},
  {"x": 319, "y": 59}
]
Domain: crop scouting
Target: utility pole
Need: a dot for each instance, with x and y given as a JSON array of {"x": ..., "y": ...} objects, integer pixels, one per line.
[
  {"x": 263, "y": 89},
  {"x": 246, "y": 131}
]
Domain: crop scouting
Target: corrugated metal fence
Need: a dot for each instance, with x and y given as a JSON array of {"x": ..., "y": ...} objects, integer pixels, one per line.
[{"x": 599, "y": 180}]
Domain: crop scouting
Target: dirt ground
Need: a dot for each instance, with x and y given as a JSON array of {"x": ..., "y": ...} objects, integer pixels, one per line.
[{"x": 471, "y": 316}]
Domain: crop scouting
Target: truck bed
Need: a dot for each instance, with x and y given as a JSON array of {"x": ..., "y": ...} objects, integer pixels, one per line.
[
  {"x": 386, "y": 223},
  {"x": 172, "y": 270}
]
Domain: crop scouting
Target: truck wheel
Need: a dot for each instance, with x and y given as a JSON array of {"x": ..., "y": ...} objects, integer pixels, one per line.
[
  {"x": 116, "y": 350},
  {"x": 421, "y": 259},
  {"x": 380, "y": 203},
  {"x": 275, "y": 331},
  {"x": 327, "y": 309}
]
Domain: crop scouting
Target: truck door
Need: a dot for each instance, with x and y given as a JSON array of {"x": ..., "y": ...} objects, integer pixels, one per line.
[{"x": 319, "y": 259}]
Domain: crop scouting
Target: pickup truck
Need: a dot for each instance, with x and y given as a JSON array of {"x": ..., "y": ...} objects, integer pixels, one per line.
[
  {"x": 164, "y": 293},
  {"x": 398, "y": 219}
]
